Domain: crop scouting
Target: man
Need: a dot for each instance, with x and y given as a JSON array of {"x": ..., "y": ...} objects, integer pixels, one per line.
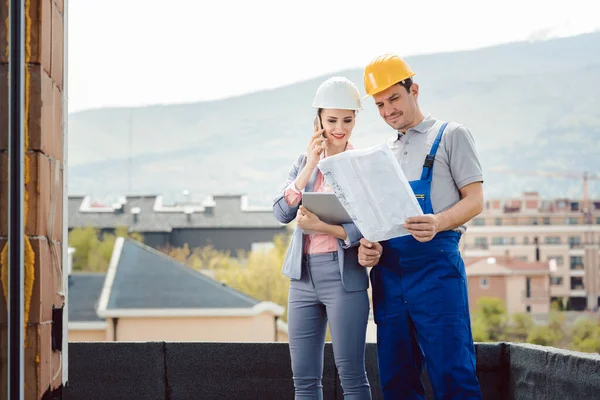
[{"x": 419, "y": 283}]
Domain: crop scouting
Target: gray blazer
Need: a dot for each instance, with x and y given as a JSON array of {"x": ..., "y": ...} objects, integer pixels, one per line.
[{"x": 354, "y": 276}]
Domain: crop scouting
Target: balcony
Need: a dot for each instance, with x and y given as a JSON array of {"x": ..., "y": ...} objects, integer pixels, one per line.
[
  {"x": 232, "y": 371},
  {"x": 536, "y": 296},
  {"x": 577, "y": 267}
]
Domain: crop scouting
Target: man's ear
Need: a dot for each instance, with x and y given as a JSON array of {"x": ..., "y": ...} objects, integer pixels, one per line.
[{"x": 414, "y": 89}]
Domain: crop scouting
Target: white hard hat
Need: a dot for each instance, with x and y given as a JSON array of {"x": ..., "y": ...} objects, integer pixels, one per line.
[{"x": 338, "y": 92}]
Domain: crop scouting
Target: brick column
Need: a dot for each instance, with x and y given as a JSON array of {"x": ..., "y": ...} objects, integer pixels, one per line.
[{"x": 43, "y": 196}]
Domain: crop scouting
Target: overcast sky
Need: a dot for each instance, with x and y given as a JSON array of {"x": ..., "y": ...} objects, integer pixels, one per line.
[{"x": 140, "y": 52}]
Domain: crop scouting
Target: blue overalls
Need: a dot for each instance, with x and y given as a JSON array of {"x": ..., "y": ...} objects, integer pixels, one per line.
[{"x": 421, "y": 309}]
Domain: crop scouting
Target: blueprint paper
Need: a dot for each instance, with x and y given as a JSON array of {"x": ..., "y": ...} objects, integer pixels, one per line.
[{"x": 373, "y": 189}]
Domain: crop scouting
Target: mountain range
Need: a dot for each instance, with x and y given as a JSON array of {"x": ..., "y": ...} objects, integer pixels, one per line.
[{"x": 531, "y": 107}]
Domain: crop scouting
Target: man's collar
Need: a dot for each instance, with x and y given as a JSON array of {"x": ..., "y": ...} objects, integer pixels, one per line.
[
  {"x": 424, "y": 125},
  {"x": 421, "y": 127}
]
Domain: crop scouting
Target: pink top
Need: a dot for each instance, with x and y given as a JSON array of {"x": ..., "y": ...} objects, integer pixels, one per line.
[{"x": 314, "y": 243}]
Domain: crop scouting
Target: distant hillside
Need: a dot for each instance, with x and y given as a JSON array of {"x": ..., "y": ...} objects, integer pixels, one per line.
[{"x": 530, "y": 106}]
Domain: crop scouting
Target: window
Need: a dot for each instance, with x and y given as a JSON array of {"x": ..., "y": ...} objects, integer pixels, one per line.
[
  {"x": 572, "y": 221},
  {"x": 484, "y": 283},
  {"x": 546, "y": 221},
  {"x": 498, "y": 221},
  {"x": 526, "y": 240},
  {"x": 574, "y": 241},
  {"x": 559, "y": 260},
  {"x": 522, "y": 258},
  {"x": 528, "y": 309},
  {"x": 556, "y": 280},
  {"x": 576, "y": 263},
  {"x": 481, "y": 242},
  {"x": 577, "y": 283},
  {"x": 598, "y": 220},
  {"x": 498, "y": 241},
  {"x": 535, "y": 221},
  {"x": 552, "y": 240},
  {"x": 478, "y": 222}
]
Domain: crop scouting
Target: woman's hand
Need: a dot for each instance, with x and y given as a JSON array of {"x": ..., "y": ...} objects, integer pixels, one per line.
[
  {"x": 311, "y": 222},
  {"x": 316, "y": 145},
  {"x": 308, "y": 221}
]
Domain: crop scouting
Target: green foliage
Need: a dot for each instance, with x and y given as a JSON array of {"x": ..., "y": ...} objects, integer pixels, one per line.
[
  {"x": 490, "y": 316},
  {"x": 93, "y": 250},
  {"x": 490, "y": 322},
  {"x": 586, "y": 335}
]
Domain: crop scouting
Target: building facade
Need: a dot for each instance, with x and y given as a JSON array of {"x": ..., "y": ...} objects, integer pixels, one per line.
[
  {"x": 533, "y": 229},
  {"x": 523, "y": 286}
]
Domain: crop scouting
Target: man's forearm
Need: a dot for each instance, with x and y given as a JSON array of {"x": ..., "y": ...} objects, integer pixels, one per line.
[{"x": 461, "y": 212}]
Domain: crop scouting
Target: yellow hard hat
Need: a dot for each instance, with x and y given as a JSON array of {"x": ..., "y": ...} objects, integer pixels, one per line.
[{"x": 385, "y": 71}]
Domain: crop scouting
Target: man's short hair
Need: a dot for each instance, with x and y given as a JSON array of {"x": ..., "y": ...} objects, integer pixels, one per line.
[{"x": 406, "y": 84}]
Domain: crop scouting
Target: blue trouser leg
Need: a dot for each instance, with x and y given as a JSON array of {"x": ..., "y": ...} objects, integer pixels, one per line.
[
  {"x": 440, "y": 313},
  {"x": 400, "y": 359},
  {"x": 317, "y": 297},
  {"x": 421, "y": 308}
]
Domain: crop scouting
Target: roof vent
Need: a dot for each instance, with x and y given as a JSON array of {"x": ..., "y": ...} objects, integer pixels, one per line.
[
  {"x": 188, "y": 211},
  {"x": 135, "y": 211}
]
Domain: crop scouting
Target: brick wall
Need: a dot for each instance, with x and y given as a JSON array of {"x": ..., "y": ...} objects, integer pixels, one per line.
[{"x": 43, "y": 187}]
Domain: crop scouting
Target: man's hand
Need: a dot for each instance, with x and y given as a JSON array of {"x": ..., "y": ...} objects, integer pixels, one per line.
[
  {"x": 423, "y": 227},
  {"x": 369, "y": 253},
  {"x": 308, "y": 221}
]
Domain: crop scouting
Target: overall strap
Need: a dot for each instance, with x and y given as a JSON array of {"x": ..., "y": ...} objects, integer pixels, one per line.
[{"x": 428, "y": 165}]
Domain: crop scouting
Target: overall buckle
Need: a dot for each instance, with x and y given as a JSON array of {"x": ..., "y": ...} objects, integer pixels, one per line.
[{"x": 429, "y": 161}]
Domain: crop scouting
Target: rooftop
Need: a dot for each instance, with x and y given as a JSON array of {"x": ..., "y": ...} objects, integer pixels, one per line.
[
  {"x": 504, "y": 266},
  {"x": 149, "y": 214},
  {"x": 232, "y": 371},
  {"x": 143, "y": 281}
]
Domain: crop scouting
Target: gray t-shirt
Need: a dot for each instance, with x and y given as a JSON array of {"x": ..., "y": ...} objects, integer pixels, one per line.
[{"x": 456, "y": 163}]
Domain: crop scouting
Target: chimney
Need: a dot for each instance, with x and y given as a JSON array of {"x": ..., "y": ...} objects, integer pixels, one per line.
[
  {"x": 135, "y": 211},
  {"x": 188, "y": 211}
]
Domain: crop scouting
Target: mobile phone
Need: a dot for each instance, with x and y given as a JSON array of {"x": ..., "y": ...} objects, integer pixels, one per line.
[{"x": 318, "y": 124}]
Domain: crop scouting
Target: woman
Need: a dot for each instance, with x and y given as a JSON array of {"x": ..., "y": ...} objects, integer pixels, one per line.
[{"x": 327, "y": 283}]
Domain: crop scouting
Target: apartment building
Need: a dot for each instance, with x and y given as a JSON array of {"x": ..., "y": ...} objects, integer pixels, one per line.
[
  {"x": 523, "y": 286},
  {"x": 530, "y": 228}
]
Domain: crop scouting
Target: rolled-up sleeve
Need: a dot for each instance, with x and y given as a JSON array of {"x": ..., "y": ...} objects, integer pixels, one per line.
[
  {"x": 286, "y": 212},
  {"x": 292, "y": 195},
  {"x": 465, "y": 166}
]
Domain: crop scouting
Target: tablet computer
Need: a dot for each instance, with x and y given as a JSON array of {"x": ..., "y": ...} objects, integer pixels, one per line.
[{"x": 326, "y": 206}]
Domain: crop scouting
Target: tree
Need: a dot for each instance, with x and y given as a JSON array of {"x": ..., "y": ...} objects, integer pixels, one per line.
[
  {"x": 479, "y": 330},
  {"x": 542, "y": 335},
  {"x": 519, "y": 327},
  {"x": 204, "y": 258},
  {"x": 490, "y": 318},
  {"x": 586, "y": 335}
]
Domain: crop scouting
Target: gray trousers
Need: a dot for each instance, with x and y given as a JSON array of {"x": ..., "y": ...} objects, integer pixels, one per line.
[{"x": 317, "y": 297}]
